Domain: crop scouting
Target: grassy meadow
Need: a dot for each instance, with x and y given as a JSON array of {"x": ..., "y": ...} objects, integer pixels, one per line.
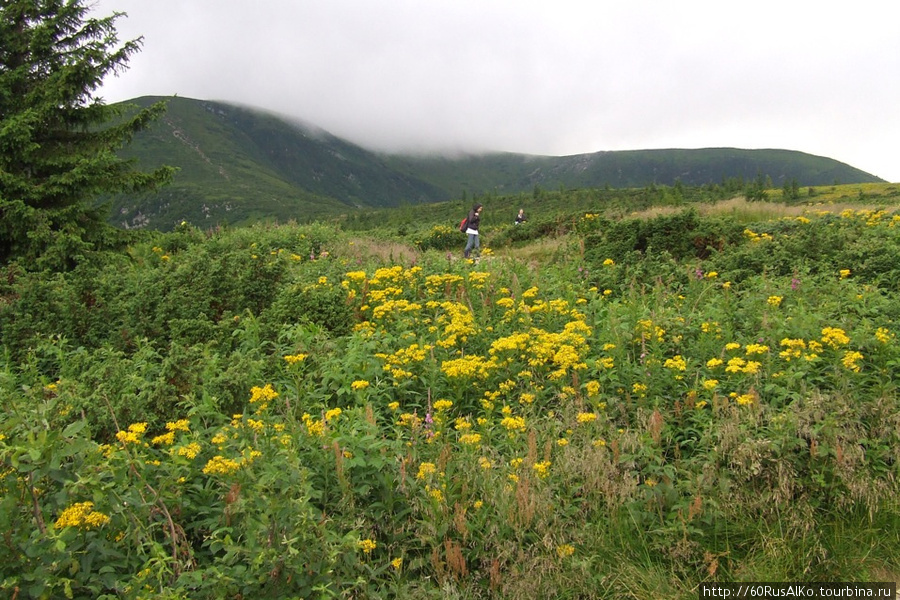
[{"x": 618, "y": 402}]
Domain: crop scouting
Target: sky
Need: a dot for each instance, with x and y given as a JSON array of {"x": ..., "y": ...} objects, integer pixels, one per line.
[{"x": 549, "y": 77}]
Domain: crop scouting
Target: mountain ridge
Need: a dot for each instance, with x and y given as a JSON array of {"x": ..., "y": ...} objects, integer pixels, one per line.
[{"x": 240, "y": 164}]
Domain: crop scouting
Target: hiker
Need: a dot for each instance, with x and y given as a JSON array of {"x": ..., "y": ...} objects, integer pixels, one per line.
[
  {"x": 520, "y": 218},
  {"x": 472, "y": 222}
]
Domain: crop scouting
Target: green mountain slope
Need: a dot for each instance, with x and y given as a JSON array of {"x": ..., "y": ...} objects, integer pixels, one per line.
[
  {"x": 628, "y": 169},
  {"x": 239, "y": 165}
]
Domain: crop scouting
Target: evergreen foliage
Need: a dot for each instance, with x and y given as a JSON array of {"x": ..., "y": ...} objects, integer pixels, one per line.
[{"x": 58, "y": 141}]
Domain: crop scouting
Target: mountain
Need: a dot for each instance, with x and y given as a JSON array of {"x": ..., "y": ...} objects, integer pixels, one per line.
[{"x": 241, "y": 164}]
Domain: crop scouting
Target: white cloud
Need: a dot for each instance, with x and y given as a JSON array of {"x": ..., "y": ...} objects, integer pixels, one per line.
[{"x": 537, "y": 77}]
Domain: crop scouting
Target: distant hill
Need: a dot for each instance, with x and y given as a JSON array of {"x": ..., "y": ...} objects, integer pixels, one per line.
[{"x": 240, "y": 164}]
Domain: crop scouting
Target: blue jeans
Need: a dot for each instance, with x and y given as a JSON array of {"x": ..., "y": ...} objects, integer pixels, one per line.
[{"x": 472, "y": 244}]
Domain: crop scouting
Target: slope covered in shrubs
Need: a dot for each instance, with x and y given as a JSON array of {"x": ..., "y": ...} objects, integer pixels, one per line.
[{"x": 277, "y": 412}]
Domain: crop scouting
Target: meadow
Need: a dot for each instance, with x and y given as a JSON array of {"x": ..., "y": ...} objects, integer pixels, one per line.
[{"x": 607, "y": 404}]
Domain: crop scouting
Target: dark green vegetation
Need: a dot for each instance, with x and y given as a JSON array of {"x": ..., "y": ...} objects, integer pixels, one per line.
[
  {"x": 57, "y": 146},
  {"x": 239, "y": 165},
  {"x": 634, "y": 406}
]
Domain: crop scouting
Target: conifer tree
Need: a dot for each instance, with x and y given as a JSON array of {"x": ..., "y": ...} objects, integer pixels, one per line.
[{"x": 58, "y": 140}]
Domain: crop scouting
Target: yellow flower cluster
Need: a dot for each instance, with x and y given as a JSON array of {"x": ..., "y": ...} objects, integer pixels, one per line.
[
  {"x": 191, "y": 450},
  {"x": 435, "y": 283},
  {"x": 262, "y": 394},
  {"x": 740, "y": 365},
  {"x": 385, "y": 294},
  {"x": 469, "y": 367},
  {"x": 586, "y": 417},
  {"x": 293, "y": 359},
  {"x": 513, "y": 423},
  {"x": 478, "y": 279},
  {"x": 646, "y": 331},
  {"x": 179, "y": 425},
  {"x": 314, "y": 427},
  {"x": 794, "y": 348},
  {"x": 81, "y": 515},
  {"x": 410, "y": 420},
  {"x": 676, "y": 363},
  {"x": 757, "y": 237},
  {"x": 392, "y": 307},
  {"x": 834, "y": 337},
  {"x": 851, "y": 359},
  {"x": 166, "y": 439},
  {"x": 133, "y": 435},
  {"x": 470, "y": 439},
  {"x": 745, "y": 399},
  {"x": 457, "y": 321},
  {"x": 542, "y": 469},
  {"x": 367, "y": 546},
  {"x": 219, "y": 465},
  {"x": 426, "y": 469}
]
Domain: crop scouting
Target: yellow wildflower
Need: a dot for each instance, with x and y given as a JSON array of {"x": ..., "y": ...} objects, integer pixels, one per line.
[
  {"x": 166, "y": 439},
  {"x": 470, "y": 439},
  {"x": 191, "y": 450},
  {"x": 81, "y": 515},
  {"x": 264, "y": 393},
  {"x": 850, "y": 360},
  {"x": 834, "y": 337},
  {"x": 756, "y": 349},
  {"x": 677, "y": 363},
  {"x": 586, "y": 417},
  {"x": 426, "y": 469},
  {"x": 513, "y": 423},
  {"x": 442, "y": 405},
  {"x": 219, "y": 465},
  {"x": 542, "y": 469}
]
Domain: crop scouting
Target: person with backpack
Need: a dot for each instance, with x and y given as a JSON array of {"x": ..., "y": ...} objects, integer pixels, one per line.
[
  {"x": 520, "y": 218},
  {"x": 472, "y": 223}
]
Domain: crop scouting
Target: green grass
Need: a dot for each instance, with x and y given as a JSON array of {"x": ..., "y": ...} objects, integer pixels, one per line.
[{"x": 577, "y": 415}]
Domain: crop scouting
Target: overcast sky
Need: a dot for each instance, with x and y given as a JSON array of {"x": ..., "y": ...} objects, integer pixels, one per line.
[{"x": 552, "y": 77}]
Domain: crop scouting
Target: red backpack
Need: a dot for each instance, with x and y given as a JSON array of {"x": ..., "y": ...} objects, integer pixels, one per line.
[{"x": 464, "y": 224}]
